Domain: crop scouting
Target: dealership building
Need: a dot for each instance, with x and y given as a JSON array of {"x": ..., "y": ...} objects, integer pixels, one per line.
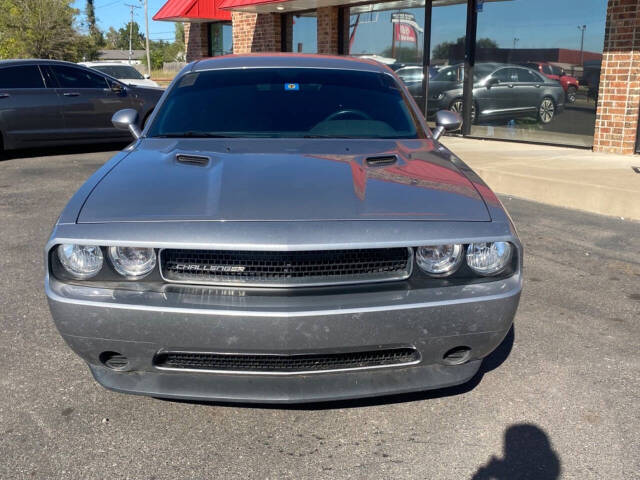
[{"x": 592, "y": 47}]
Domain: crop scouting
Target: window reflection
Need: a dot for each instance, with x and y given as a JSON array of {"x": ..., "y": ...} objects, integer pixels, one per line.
[{"x": 552, "y": 50}]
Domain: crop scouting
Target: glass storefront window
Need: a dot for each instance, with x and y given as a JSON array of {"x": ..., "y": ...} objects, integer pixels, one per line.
[
  {"x": 393, "y": 33},
  {"x": 537, "y": 65},
  {"x": 544, "y": 58},
  {"x": 220, "y": 39},
  {"x": 304, "y": 26}
]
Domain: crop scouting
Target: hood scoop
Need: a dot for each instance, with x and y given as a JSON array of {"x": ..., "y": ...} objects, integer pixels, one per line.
[
  {"x": 196, "y": 160},
  {"x": 381, "y": 161}
]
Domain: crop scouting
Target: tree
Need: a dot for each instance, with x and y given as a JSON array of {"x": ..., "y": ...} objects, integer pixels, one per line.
[
  {"x": 122, "y": 37},
  {"x": 38, "y": 28},
  {"x": 442, "y": 51},
  {"x": 94, "y": 32},
  {"x": 404, "y": 54},
  {"x": 111, "y": 38}
]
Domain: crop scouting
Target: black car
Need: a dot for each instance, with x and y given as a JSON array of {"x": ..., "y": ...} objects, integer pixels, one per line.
[
  {"x": 49, "y": 102},
  {"x": 499, "y": 91}
]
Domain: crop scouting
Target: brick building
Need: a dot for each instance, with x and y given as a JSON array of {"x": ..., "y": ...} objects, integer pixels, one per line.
[{"x": 604, "y": 50}]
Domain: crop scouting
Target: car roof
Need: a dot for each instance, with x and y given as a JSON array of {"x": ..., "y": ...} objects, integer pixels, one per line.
[
  {"x": 34, "y": 61},
  {"x": 105, "y": 64},
  {"x": 284, "y": 60}
]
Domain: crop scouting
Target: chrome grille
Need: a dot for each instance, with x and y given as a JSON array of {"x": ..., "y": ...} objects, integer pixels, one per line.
[
  {"x": 282, "y": 363},
  {"x": 285, "y": 269}
]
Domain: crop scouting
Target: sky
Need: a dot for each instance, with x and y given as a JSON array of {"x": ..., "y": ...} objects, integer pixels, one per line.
[
  {"x": 534, "y": 23},
  {"x": 115, "y": 13}
]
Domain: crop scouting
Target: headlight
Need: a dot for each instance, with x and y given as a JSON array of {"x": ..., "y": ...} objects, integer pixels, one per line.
[
  {"x": 81, "y": 261},
  {"x": 132, "y": 261},
  {"x": 489, "y": 258},
  {"x": 439, "y": 260}
]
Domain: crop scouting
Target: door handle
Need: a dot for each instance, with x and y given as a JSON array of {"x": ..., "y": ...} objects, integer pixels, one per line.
[
  {"x": 71, "y": 94},
  {"x": 4, "y": 95},
  {"x": 538, "y": 85},
  {"x": 510, "y": 85}
]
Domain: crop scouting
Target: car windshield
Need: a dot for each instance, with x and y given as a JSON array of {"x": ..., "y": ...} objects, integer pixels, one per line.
[
  {"x": 455, "y": 73},
  {"x": 120, "y": 71},
  {"x": 285, "y": 103}
]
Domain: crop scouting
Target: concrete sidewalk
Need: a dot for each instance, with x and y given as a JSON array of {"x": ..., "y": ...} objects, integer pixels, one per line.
[{"x": 565, "y": 177}]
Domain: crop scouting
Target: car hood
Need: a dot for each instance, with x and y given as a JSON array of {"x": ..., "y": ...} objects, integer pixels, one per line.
[{"x": 284, "y": 180}]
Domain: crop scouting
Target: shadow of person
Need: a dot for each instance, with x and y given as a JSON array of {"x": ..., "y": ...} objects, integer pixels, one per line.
[{"x": 527, "y": 455}]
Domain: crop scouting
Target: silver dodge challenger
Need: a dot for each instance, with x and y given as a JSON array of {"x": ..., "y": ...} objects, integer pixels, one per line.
[{"x": 286, "y": 228}]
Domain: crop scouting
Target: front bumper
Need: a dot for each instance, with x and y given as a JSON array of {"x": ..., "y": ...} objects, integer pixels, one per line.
[{"x": 139, "y": 324}]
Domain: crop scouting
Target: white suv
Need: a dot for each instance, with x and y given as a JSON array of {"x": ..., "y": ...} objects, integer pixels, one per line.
[{"x": 122, "y": 71}]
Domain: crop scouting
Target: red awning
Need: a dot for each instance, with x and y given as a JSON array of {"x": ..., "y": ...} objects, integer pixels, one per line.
[{"x": 192, "y": 11}]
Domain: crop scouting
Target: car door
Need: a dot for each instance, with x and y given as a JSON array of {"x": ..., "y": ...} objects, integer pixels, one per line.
[
  {"x": 30, "y": 113},
  {"x": 88, "y": 103},
  {"x": 528, "y": 89},
  {"x": 498, "y": 98}
]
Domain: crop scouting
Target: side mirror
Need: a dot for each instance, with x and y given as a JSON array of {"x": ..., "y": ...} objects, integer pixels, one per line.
[
  {"x": 127, "y": 119},
  {"x": 146, "y": 76},
  {"x": 492, "y": 81},
  {"x": 116, "y": 88},
  {"x": 446, "y": 121}
]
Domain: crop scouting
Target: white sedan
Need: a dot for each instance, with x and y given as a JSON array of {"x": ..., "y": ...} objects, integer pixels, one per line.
[{"x": 123, "y": 72}]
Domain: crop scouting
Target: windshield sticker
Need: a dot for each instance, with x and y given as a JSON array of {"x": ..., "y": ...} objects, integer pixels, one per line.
[{"x": 292, "y": 86}]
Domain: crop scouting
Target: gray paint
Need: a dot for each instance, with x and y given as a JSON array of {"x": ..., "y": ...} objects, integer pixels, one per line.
[
  {"x": 34, "y": 117},
  {"x": 279, "y": 194}
]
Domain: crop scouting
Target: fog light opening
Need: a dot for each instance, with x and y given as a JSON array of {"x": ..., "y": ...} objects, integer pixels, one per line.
[
  {"x": 114, "y": 360},
  {"x": 457, "y": 355}
]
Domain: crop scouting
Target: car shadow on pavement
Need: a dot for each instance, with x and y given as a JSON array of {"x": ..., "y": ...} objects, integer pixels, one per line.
[
  {"x": 527, "y": 454},
  {"x": 65, "y": 150},
  {"x": 491, "y": 362}
]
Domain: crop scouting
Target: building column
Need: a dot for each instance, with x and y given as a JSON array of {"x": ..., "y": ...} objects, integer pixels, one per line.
[
  {"x": 256, "y": 32},
  {"x": 196, "y": 41},
  {"x": 328, "y": 27},
  {"x": 619, "y": 98}
]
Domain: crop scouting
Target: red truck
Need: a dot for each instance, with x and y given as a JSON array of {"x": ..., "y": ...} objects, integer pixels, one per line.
[{"x": 569, "y": 84}]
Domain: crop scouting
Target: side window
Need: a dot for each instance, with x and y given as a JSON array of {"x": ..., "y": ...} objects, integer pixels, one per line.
[
  {"x": 23, "y": 76},
  {"x": 527, "y": 76},
  {"x": 71, "y": 77},
  {"x": 410, "y": 74},
  {"x": 547, "y": 69},
  {"x": 506, "y": 75},
  {"x": 556, "y": 70}
]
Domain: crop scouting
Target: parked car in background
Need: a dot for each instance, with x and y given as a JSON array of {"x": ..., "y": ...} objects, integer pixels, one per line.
[
  {"x": 49, "y": 102},
  {"x": 412, "y": 76},
  {"x": 569, "y": 84},
  {"x": 499, "y": 91},
  {"x": 123, "y": 72},
  {"x": 285, "y": 229}
]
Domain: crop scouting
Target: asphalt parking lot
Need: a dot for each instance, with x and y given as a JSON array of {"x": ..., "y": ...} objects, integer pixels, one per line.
[{"x": 558, "y": 399}]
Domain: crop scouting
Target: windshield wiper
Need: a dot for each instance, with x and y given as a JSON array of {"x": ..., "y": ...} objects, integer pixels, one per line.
[{"x": 193, "y": 134}]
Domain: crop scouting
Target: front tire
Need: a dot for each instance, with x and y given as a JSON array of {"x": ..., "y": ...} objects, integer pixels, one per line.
[
  {"x": 571, "y": 94},
  {"x": 546, "y": 110},
  {"x": 457, "y": 106}
]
